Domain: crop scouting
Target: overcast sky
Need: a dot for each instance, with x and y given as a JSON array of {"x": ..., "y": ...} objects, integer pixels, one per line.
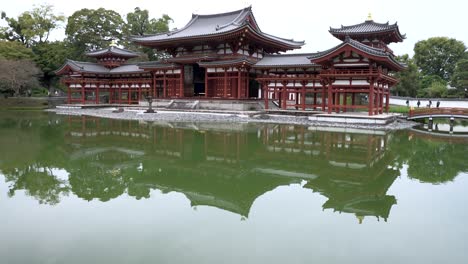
[{"x": 307, "y": 20}]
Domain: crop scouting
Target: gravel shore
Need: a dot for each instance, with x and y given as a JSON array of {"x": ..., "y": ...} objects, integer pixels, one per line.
[{"x": 165, "y": 116}]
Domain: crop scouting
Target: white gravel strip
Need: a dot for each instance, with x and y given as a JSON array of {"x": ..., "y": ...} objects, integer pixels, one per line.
[{"x": 194, "y": 117}]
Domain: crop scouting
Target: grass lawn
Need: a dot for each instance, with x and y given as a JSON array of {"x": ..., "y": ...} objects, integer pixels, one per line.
[
  {"x": 398, "y": 109},
  {"x": 20, "y": 103}
]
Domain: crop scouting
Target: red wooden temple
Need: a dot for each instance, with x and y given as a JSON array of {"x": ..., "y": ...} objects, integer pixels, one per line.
[{"x": 227, "y": 56}]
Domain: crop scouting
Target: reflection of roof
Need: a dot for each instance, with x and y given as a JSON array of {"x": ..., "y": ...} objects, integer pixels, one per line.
[
  {"x": 286, "y": 60},
  {"x": 216, "y": 24},
  {"x": 118, "y": 52},
  {"x": 90, "y": 67},
  {"x": 366, "y": 28}
]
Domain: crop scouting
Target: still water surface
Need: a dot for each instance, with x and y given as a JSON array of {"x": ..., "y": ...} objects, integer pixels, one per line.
[{"x": 89, "y": 190}]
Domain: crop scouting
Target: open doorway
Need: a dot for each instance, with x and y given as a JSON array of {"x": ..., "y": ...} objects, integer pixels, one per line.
[{"x": 198, "y": 80}]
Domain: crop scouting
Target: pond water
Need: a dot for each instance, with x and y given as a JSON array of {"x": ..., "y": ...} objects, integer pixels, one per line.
[{"x": 90, "y": 190}]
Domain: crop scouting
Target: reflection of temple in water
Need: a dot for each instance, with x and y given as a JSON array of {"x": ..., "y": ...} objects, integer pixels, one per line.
[{"x": 229, "y": 168}]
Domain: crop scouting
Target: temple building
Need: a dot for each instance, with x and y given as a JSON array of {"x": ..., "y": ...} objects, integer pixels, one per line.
[{"x": 227, "y": 57}]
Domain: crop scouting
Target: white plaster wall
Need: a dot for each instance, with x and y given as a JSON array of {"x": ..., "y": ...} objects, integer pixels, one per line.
[{"x": 459, "y": 103}]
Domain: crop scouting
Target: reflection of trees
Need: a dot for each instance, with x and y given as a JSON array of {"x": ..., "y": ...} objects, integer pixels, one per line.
[
  {"x": 436, "y": 162},
  {"x": 224, "y": 168},
  {"x": 30, "y": 150},
  {"x": 429, "y": 158},
  {"x": 39, "y": 183}
]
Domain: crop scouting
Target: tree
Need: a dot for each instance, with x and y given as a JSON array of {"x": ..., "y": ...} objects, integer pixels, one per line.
[
  {"x": 139, "y": 24},
  {"x": 32, "y": 26},
  {"x": 460, "y": 76},
  {"x": 438, "y": 56},
  {"x": 94, "y": 28},
  {"x": 432, "y": 86},
  {"x": 409, "y": 78},
  {"x": 49, "y": 57},
  {"x": 18, "y": 76},
  {"x": 14, "y": 50}
]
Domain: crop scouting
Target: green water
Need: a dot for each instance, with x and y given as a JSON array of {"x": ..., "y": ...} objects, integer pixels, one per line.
[{"x": 88, "y": 190}]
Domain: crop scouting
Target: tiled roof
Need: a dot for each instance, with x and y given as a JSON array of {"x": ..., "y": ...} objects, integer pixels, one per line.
[
  {"x": 360, "y": 46},
  {"x": 367, "y": 27},
  {"x": 242, "y": 59},
  {"x": 113, "y": 51},
  {"x": 90, "y": 67},
  {"x": 156, "y": 64},
  {"x": 287, "y": 60},
  {"x": 216, "y": 24}
]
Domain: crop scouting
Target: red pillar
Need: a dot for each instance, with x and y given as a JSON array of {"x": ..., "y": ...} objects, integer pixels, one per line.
[
  {"x": 206, "y": 83},
  {"x": 345, "y": 101},
  {"x": 330, "y": 98},
  {"x": 164, "y": 85},
  {"x": 323, "y": 97},
  {"x": 181, "y": 82},
  {"x": 97, "y": 94},
  {"x": 265, "y": 94},
  {"x": 283, "y": 96},
  {"x": 315, "y": 99},
  {"x": 139, "y": 92},
  {"x": 83, "y": 93},
  {"x": 69, "y": 93},
  {"x": 129, "y": 94},
  {"x": 387, "y": 101},
  {"x": 303, "y": 96},
  {"x": 337, "y": 101},
  {"x": 225, "y": 83},
  {"x": 239, "y": 83},
  {"x": 120, "y": 94},
  {"x": 381, "y": 98},
  {"x": 371, "y": 97}
]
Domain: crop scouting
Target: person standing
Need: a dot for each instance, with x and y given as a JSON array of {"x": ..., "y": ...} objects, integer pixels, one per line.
[
  {"x": 438, "y": 104},
  {"x": 430, "y": 103},
  {"x": 418, "y": 103},
  {"x": 407, "y": 103}
]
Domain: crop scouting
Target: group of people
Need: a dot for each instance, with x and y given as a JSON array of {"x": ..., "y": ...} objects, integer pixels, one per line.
[{"x": 429, "y": 104}]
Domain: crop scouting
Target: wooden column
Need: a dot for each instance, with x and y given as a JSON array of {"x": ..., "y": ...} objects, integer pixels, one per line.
[
  {"x": 337, "y": 101},
  {"x": 265, "y": 93},
  {"x": 303, "y": 95},
  {"x": 225, "y": 83},
  {"x": 284, "y": 95},
  {"x": 97, "y": 94},
  {"x": 239, "y": 83},
  {"x": 315, "y": 99},
  {"x": 381, "y": 98},
  {"x": 139, "y": 92},
  {"x": 206, "y": 82},
  {"x": 120, "y": 94},
  {"x": 330, "y": 97},
  {"x": 387, "y": 100},
  {"x": 165, "y": 84},
  {"x": 129, "y": 94},
  {"x": 371, "y": 97},
  {"x": 154, "y": 91},
  {"x": 323, "y": 96},
  {"x": 181, "y": 82},
  {"x": 83, "y": 93},
  {"x": 345, "y": 101},
  {"x": 68, "y": 94}
]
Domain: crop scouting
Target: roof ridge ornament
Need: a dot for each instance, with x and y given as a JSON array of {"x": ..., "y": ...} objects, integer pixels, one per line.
[
  {"x": 369, "y": 17},
  {"x": 113, "y": 44}
]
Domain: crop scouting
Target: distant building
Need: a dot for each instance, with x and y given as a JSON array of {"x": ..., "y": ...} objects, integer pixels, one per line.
[{"x": 227, "y": 56}]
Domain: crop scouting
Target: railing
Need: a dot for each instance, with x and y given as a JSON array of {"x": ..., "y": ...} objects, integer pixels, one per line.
[{"x": 438, "y": 111}]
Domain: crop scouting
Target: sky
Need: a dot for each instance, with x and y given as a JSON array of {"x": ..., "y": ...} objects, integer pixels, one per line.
[{"x": 307, "y": 20}]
